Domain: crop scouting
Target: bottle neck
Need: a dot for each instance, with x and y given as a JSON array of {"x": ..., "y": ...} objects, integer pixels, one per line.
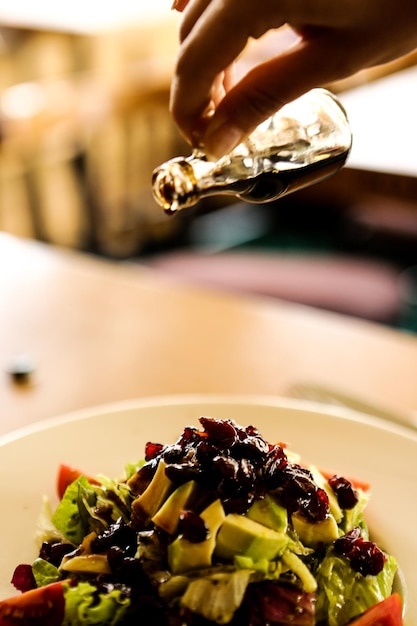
[
  {"x": 174, "y": 185},
  {"x": 183, "y": 181}
]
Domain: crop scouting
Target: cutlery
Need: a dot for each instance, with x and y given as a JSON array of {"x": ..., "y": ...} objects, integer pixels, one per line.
[{"x": 333, "y": 397}]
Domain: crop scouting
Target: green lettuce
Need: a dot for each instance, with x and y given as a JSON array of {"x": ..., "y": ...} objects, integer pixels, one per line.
[
  {"x": 70, "y": 516},
  {"x": 44, "y": 572},
  {"x": 132, "y": 468},
  {"x": 85, "y": 605},
  {"x": 353, "y": 518},
  {"x": 115, "y": 495},
  {"x": 218, "y": 596},
  {"x": 86, "y": 507},
  {"x": 45, "y": 529},
  {"x": 344, "y": 594}
]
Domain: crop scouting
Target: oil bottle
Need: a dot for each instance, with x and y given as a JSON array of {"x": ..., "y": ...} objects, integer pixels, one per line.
[{"x": 306, "y": 141}]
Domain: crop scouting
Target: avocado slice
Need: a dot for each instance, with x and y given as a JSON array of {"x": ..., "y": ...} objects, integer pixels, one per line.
[
  {"x": 167, "y": 517},
  {"x": 183, "y": 555},
  {"x": 268, "y": 512},
  {"x": 300, "y": 569},
  {"x": 313, "y": 534},
  {"x": 150, "y": 501},
  {"x": 240, "y": 535},
  {"x": 87, "y": 564},
  {"x": 321, "y": 481}
]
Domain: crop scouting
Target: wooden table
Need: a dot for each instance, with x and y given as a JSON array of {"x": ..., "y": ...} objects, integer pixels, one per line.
[{"x": 100, "y": 332}]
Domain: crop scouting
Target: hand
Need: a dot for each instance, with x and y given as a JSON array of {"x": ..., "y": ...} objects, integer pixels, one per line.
[{"x": 335, "y": 40}]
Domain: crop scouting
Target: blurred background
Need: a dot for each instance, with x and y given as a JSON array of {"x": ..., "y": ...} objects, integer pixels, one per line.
[{"x": 84, "y": 120}]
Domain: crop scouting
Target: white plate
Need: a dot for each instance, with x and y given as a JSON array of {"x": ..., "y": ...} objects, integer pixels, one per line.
[{"x": 104, "y": 439}]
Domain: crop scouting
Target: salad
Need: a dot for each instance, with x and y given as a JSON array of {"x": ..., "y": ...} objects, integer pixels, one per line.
[{"x": 219, "y": 527}]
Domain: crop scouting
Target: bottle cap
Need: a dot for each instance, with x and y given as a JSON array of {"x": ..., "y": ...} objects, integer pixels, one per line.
[{"x": 174, "y": 185}]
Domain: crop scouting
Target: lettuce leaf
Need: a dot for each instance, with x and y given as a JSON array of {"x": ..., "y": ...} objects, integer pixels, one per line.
[
  {"x": 85, "y": 605},
  {"x": 344, "y": 594},
  {"x": 45, "y": 529},
  {"x": 86, "y": 507},
  {"x": 132, "y": 468},
  {"x": 217, "y": 597},
  {"x": 117, "y": 496},
  {"x": 70, "y": 517},
  {"x": 354, "y": 517},
  {"x": 44, "y": 572}
]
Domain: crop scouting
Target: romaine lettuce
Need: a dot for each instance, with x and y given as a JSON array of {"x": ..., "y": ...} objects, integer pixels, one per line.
[
  {"x": 85, "y": 605},
  {"x": 44, "y": 572},
  {"x": 69, "y": 517},
  {"x": 86, "y": 507},
  {"x": 344, "y": 593}
]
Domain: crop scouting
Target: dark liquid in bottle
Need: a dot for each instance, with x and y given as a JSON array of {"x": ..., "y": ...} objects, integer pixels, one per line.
[
  {"x": 269, "y": 186},
  {"x": 266, "y": 187}
]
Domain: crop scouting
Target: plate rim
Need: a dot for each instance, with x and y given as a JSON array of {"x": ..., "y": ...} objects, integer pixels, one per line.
[
  {"x": 280, "y": 400},
  {"x": 346, "y": 415}
]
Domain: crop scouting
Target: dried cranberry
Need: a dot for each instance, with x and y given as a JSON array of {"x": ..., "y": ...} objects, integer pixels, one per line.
[
  {"x": 23, "y": 578},
  {"x": 115, "y": 557},
  {"x": 127, "y": 570},
  {"x": 276, "y": 461},
  {"x": 241, "y": 431},
  {"x": 206, "y": 451},
  {"x": 223, "y": 431},
  {"x": 180, "y": 473},
  {"x": 192, "y": 527},
  {"x": 346, "y": 495},
  {"x": 225, "y": 467},
  {"x": 172, "y": 454},
  {"x": 237, "y": 464},
  {"x": 238, "y": 504},
  {"x": 294, "y": 486},
  {"x": 251, "y": 431},
  {"x": 152, "y": 450},
  {"x": 315, "y": 506},
  {"x": 241, "y": 484},
  {"x": 246, "y": 475},
  {"x": 119, "y": 534},
  {"x": 54, "y": 551},
  {"x": 365, "y": 557},
  {"x": 253, "y": 448},
  {"x": 189, "y": 436}
]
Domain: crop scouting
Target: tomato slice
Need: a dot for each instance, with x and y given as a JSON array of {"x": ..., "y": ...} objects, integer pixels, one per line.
[
  {"x": 67, "y": 475},
  {"x": 385, "y": 613},
  {"x": 39, "y": 607}
]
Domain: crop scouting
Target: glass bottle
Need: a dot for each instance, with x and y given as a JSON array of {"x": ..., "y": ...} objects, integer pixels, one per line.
[{"x": 303, "y": 143}]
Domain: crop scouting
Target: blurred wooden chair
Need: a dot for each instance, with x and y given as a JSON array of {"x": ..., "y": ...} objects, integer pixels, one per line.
[{"x": 79, "y": 142}]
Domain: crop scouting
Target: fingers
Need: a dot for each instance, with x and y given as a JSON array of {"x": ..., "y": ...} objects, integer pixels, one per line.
[
  {"x": 229, "y": 77},
  {"x": 179, "y": 5},
  {"x": 194, "y": 10},
  {"x": 211, "y": 45},
  {"x": 266, "y": 89}
]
